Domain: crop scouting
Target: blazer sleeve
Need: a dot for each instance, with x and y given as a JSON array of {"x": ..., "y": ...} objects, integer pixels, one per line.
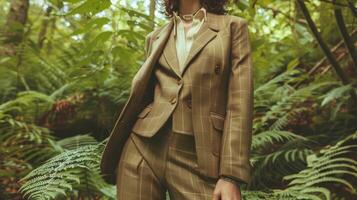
[{"x": 237, "y": 133}]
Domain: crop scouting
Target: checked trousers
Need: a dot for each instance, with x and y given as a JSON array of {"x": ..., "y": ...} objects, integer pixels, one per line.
[{"x": 165, "y": 162}]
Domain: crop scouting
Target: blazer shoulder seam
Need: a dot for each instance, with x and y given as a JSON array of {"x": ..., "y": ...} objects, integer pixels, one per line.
[
  {"x": 158, "y": 29},
  {"x": 237, "y": 19},
  {"x": 233, "y": 21}
]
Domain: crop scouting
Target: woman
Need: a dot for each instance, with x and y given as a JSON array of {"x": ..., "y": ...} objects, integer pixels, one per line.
[{"x": 186, "y": 127}]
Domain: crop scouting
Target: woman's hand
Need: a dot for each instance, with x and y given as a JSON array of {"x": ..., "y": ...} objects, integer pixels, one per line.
[{"x": 225, "y": 190}]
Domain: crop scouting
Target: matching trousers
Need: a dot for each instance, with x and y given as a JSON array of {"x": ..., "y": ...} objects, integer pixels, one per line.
[{"x": 166, "y": 162}]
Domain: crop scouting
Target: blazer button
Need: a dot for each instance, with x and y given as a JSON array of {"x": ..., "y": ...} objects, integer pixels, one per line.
[
  {"x": 179, "y": 82},
  {"x": 189, "y": 103},
  {"x": 217, "y": 69},
  {"x": 173, "y": 100}
]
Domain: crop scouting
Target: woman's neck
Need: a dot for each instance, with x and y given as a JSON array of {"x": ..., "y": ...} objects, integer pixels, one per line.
[{"x": 189, "y": 6}]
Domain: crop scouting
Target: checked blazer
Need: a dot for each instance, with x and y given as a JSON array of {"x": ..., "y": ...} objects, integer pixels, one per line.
[{"x": 211, "y": 97}]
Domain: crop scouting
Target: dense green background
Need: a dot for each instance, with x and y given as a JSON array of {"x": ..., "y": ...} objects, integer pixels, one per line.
[{"x": 66, "y": 69}]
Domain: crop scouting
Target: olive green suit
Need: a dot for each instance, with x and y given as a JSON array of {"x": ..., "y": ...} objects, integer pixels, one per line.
[{"x": 211, "y": 99}]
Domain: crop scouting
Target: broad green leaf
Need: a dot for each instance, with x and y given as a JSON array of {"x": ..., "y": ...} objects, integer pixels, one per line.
[
  {"x": 101, "y": 38},
  {"x": 96, "y": 23},
  {"x": 91, "y": 6}
]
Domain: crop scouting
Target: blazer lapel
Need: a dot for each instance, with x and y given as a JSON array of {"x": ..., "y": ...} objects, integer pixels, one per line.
[
  {"x": 170, "y": 55},
  {"x": 158, "y": 42},
  {"x": 206, "y": 33}
]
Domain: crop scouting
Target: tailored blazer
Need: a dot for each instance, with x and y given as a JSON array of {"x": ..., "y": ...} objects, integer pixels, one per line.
[{"x": 218, "y": 95}]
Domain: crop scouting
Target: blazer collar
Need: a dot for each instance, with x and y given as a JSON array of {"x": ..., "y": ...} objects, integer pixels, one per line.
[
  {"x": 201, "y": 14},
  {"x": 211, "y": 20},
  {"x": 206, "y": 33}
]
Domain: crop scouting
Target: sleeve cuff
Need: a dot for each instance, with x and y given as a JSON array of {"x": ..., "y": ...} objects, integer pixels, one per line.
[{"x": 235, "y": 181}]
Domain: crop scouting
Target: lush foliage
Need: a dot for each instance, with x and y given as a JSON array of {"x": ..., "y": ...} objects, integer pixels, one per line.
[{"x": 66, "y": 69}]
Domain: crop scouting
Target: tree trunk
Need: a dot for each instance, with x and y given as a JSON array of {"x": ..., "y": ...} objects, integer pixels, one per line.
[
  {"x": 152, "y": 13},
  {"x": 44, "y": 27},
  {"x": 340, "y": 73},
  {"x": 346, "y": 37},
  {"x": 352, "y": 8},
  {"x": 14, "y": 28}
]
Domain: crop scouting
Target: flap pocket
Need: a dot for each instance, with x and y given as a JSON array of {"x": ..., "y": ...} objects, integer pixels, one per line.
[
  {"x": 144, "y": 112},
  {"x": 217, "y": 120}
]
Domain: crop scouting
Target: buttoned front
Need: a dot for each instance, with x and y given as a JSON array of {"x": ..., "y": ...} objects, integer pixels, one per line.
[
  {"x": 179, "y": 82},
  {"x": 178, "y": 96},
  {"x": 171, "y": 93}
]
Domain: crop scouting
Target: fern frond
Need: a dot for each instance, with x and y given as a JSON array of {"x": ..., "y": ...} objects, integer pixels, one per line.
[
  {"x": 271, "y": 137},
  {"x": 75, "y": 169},
  {"x": 331, "y": 165}
]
